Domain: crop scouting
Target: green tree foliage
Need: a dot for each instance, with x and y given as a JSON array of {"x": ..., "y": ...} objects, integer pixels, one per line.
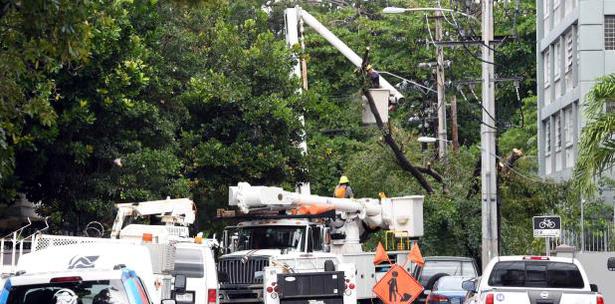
[
  {"x": 143, "y": 100},
  {"x": 597, "y": 147}
]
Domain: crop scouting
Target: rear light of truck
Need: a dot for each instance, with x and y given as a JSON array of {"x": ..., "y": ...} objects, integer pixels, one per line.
[
  {"x": 65, "y": 280},
  {"x": 435, "y": 298},
  {"x": 212, "y": 295},
  {"x": 599, "y": 299},
  {"x": 489, "y": 299},
  {"x": 536, "y": 258}
]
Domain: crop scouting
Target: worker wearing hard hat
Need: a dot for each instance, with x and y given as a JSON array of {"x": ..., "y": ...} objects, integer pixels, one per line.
[
  {"x": 373, "y": 76},
  {"x": 343, "y": 190}
]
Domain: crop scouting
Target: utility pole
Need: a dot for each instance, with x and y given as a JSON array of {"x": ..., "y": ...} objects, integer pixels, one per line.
[
  {"x": 454, "y": 126},
  {"x": 488, "y": 133},
  {"x": 442, "y": 140}
]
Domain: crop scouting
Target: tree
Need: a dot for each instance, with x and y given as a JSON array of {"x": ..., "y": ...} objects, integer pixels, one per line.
[{"x": 596, "y": 146}]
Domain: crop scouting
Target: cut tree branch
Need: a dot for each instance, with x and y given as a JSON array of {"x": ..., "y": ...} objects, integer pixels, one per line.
[{"x": 404, "y": 163}]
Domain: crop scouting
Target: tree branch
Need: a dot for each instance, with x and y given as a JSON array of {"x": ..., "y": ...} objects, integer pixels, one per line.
[
  {"x": 403, "y": 162},
  {"x": 431, "y": 172}
]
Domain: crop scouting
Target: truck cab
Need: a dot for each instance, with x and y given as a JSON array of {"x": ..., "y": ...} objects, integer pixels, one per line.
[
  {"x": 297, "y": 235},
  {"x": 256, "y": 252}
]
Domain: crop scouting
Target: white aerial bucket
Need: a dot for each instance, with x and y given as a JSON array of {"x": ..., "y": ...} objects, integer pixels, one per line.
[
  {"x": 381, "y": 99},
  {"x": 406, "y": 215}
]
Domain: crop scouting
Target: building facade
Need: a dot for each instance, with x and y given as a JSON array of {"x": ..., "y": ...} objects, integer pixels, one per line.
[{"x": 575, "y": 46}]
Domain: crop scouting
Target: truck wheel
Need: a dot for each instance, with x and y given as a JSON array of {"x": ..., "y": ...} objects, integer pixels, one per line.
[
  {"x": 433, "y": 279},
  {"x": 329, "y": 266}
]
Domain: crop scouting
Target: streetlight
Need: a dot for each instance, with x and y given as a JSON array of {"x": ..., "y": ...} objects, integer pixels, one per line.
[
  {"x": 401, "y": 10},
  {"x": 430, "y": 140}
]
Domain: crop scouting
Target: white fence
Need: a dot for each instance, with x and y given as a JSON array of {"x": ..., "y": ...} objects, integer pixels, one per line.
[{"x": 592, "y": 239}]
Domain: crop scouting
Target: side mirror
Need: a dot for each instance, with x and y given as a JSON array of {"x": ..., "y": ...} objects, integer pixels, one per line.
[
  {"x": 180, "y": 283},
  {"x": 469, "y": 285},
  {"x": 611, "y": 264},
  {"x": 593, "y": 287},
  {"x": 167, "y": 301}
]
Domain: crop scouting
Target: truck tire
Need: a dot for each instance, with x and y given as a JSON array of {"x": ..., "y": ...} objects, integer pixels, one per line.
[
  {"x": 329, "y": 266},
  {"x": 433, "y": 279}
]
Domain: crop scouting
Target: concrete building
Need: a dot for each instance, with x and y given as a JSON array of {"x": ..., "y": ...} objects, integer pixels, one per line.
[{"x": 575, "y": 46}]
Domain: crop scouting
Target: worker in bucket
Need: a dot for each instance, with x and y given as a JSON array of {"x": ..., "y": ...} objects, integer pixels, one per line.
[
  {"x": 343, "y": 190},
  {"x": 373, "y": 76}
]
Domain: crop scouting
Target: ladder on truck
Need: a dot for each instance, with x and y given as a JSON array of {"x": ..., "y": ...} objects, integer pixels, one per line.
[{"x": 15, "y": 244}]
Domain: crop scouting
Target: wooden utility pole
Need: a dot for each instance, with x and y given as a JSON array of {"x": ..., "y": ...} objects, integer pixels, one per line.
[{"x": 454, "y": 126}]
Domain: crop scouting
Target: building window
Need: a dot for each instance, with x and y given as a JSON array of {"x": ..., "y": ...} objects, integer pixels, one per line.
[
  {"x": 546, "y": 63},
  {"x": 568, "y": 128},
  {"x": 558, "y": 129},
  {"x": 557, "y": 60},
  {"x": 546, "y": 12},
  {"x": 556, "y": 12},
  {"x": 547, "y": 137},
  {"x": 569, "y": 51},
  {"x": 609, "y": 32}
]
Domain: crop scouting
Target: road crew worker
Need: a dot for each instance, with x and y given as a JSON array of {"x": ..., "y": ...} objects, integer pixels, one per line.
[
  {"x": 343, "y": 190},
  {"x": 373, "y": 76}
]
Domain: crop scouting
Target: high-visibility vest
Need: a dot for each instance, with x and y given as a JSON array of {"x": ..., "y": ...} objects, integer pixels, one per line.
[{"x": 340, "y": 191}]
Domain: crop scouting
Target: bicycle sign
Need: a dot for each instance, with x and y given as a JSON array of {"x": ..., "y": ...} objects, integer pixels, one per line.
[{"x": 547, "y": 226}]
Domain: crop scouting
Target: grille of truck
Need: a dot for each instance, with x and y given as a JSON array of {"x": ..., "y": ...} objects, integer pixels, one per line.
[{"x": 241, "y": 270}]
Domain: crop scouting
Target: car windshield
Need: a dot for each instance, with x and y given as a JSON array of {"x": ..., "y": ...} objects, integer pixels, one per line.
[
  {"x": 83, "y": 292},
  {"x": 267, "y": 237},
  {"x": 541, "y": 274},
  {"x": 450, "y": 283},
  {"x": 450, "y": 267}
]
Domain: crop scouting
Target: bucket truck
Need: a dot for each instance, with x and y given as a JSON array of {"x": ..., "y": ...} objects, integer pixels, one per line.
[
  {"x": 171, "y": 263},
  {"x": 308, "y": 247}
]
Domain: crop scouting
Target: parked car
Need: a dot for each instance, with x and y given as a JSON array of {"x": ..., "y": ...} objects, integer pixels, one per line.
[
  {"x": 534, "y": 279},
  {"x": 440, "y": 266},
  {"x": 448, "y": 290}
]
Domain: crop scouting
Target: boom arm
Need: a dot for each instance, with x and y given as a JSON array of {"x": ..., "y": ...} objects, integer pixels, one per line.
[
  {"x": 179, "y": 211},
  {"x": 292, "y": 16},
  {"x": 403, "y": 215}
]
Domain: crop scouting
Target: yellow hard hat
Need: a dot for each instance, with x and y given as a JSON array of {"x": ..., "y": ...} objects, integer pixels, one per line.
[
  {"x": 368, "y": 67},
  {"x": 344, "y": 180}
]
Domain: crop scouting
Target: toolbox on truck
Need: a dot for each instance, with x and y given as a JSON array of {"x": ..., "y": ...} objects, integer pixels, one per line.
[{"x": 301, "y": 288}]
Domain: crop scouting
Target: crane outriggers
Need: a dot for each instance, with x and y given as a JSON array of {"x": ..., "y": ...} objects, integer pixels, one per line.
[{"x": 294, "y": 246}]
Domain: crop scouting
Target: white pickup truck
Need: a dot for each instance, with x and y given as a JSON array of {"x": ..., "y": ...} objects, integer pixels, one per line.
[{"x": 533, "y": 280}]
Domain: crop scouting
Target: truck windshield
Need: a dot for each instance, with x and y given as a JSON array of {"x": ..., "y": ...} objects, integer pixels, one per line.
[
  {"x": 267, "y": 237},
  {"x": 84, "y": 292},
  {"x": 540, "y": 274}
]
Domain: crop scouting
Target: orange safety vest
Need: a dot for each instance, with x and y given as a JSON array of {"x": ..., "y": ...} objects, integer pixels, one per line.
[{"x": 340, "y": 191}]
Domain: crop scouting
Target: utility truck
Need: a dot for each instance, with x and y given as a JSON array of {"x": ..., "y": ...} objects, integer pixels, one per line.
[
  {"x": 194, "y": 258},
  {"x": 298, "y": 248},
  {"x": 162, "y": 255}
]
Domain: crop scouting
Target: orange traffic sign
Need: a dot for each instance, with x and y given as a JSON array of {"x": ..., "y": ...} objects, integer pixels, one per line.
[{"x": 397, "y": 287}]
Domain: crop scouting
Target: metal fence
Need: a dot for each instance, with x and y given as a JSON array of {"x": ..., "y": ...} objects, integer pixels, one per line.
[{"x": 597, "y": 240}]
